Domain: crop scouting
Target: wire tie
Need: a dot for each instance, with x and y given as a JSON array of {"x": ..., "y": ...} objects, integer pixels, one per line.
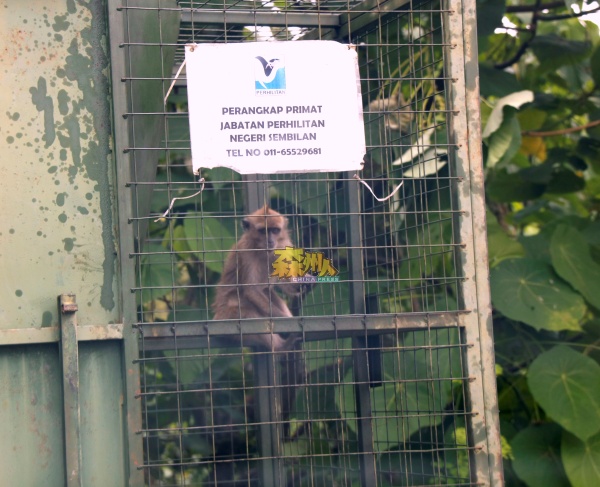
[
  {"x": 174, "y": 81},
  {"x": 165, "y": 214},
  {"x": 358, "y": 178}
]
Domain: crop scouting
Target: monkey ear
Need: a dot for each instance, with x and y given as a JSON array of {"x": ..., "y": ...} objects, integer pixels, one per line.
[{"x": 245, "y": 224}]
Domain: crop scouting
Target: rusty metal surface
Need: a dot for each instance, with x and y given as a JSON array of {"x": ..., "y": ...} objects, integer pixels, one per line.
[
  {"x": 484, "y": 434},
  {"x": 480, "y": 251}
]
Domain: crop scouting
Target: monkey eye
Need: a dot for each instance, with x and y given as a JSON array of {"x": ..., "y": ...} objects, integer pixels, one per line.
[{"x": 275, "y": 231}]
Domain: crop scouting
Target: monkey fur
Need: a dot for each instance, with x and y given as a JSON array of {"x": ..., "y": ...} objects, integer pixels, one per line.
[{"x": 246, "y": 289}]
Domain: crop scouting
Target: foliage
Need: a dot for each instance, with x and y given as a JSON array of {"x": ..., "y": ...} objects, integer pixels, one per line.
[{"x": 542, "y": 168}]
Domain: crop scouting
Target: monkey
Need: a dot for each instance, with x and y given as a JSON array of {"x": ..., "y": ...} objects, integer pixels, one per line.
[{"x": 246, "y": 289}]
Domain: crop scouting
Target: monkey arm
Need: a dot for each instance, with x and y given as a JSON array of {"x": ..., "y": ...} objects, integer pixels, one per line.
[{"x": 266, "y": 302}]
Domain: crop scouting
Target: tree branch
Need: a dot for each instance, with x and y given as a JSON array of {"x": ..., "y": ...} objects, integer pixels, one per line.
[
  {"x": 573, "y": 15},
  {"x": 523, "y": 47},
  {"x": 570, "y": 130},
  {"x": 512, "y": 9}
]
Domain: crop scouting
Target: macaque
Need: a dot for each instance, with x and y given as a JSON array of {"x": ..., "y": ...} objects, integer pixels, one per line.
[{"x": 245, "y": 289}]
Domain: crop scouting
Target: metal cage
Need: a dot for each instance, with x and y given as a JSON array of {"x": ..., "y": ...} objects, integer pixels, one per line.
[{"x": 391, "y": 380}]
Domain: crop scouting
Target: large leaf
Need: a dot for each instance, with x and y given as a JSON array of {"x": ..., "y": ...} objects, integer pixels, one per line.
[
  {"x": 528, "y": 291},
  {"x": 211, "y": 238},
  {"x": 500, "y": 245},
  {"x": 507, "y": 187},
  {"x": 566, "y": 384},
  {"x": 553, "y": 51},
  {"x": 496, "y": 118},
  {"x": 595, "y": 65},
  {"x": 505, "y": 142},
  {"x": 572, "y": 261},
  {"x": 536, "y": 451},
  {"x": 489, "y": 16},
  {"x": 495, "y": 82},
  {"x": 582, "y": 460}
]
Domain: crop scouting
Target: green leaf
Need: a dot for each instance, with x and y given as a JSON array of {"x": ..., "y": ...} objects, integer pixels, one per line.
[
  {"x": 582, "y": 460},
  {"x": 505, "y": 187},
  {"x": 554, "y": 51},
  {"x": 158, "y": 272},
  {"x": 572, "y": 261},
  {"x": 536, "y": 451},
  {"x": 489, "y": 16},
  {"x": 566, "y": 384},
  {"x": 502, "y": 108},
  {"x": 505, "y": 142},
  {"x": 500, "y": 245},
  {"x": 532, "y": 118},
  {"x": 565, "y": 181},
  {"x": 408, "y": 391},
  {"x": 595, "y": 65},
  {"x": 210, "y": 237},
  {"x": 589, "y": 149},
  {"x": 495, "y": 82},
  {"x": 528, "y": 291}
]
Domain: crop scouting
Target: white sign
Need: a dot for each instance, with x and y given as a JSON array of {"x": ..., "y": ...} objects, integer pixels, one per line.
[{"x": 275, "y": 107}]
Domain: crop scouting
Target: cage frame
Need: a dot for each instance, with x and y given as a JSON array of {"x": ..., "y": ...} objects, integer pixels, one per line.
[{"x": 476, "y": 324}]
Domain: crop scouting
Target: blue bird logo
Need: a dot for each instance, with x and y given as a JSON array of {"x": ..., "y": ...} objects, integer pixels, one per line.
[{"x": 269, "y": 68}]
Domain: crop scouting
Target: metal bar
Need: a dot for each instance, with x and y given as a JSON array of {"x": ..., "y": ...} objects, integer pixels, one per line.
[
  {"x": 269, "y": 415},
  {"x": 317, "y": 325},
  {"x": 359, "y": 343},
  {"x": 366, "y": 13},
  {"x": 131, "y": 372},
  {"x": 266, "y": 376},
  {"x": 29, "y": 336},
  {"x": 271, "y": 18},
  {"x": 479, "y": 253},
  {"x": 69, "y": 354},
  {"x": 51, "y": 334},
  {"x": 485, "y": 458}
]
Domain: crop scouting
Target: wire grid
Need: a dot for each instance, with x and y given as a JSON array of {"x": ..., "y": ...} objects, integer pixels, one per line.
[{"x": 375, "y": 391}]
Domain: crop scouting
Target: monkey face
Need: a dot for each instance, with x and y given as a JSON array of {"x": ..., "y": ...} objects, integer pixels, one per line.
[
  {"x": 272, "y": 237},
  {"x": 265, "y": 229}
]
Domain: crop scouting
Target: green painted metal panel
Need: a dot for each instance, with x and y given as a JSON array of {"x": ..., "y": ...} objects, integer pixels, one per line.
[
  {"x": 59, "y": 208},
  {"x": 31, "y": 416},
  {"x": 102, "y": 414},
  {"x": 57, "y": 166}
]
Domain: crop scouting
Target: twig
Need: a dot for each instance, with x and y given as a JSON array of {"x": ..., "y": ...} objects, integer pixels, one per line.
[
  {"x": 512, "y": 9},
  {"x": 547, "y": 18},
  {"x": 570, "y": 130}
]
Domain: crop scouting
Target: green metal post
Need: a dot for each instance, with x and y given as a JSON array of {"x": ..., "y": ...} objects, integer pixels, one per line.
[
  {"x": 266, "y": 372},
  {"x": 359, "y": 344},
  {"x": 69, "y": 351}
]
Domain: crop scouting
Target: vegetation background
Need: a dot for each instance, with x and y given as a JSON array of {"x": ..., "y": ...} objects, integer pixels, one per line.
[{"x": 540, "y": 102}]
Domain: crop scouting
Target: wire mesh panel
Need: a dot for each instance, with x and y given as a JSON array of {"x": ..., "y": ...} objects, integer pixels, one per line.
[{"x": 377, "y": 369}]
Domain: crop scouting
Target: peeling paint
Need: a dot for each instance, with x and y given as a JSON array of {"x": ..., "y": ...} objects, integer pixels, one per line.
[
  {"x": 60, "y": 199},
  {"x": 60, "y": 23},
  {"x": 43, "y": 103},
  {"x": 90, "y": 75},
  {"x": 69, "y": 243}
]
